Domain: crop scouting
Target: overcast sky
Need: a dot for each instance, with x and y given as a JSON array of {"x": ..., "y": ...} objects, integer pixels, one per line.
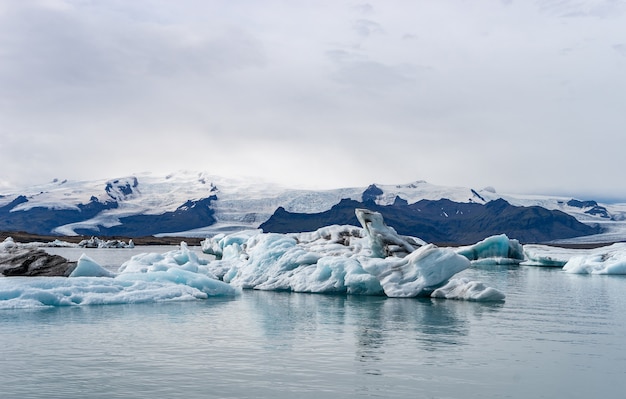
[{"x": 525, "y": 96}]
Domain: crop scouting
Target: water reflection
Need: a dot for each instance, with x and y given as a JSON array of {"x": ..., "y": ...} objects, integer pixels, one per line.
[
  {"x": 378, "y": 328},
  {"x": 368, "y": 317}
]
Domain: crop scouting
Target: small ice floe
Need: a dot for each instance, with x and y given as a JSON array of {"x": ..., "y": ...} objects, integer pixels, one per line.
[
  {"x": 605, "y": 260},
  {"x": 464, "y": 289},
  {"x": 545, "y": 255}
]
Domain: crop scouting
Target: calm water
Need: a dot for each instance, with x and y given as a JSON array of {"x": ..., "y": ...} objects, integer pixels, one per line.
[{"x": 556, "y": 336}]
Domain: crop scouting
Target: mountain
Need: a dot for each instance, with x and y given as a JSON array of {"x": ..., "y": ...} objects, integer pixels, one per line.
[
  {"x": 196, "y": 204},
  {"x": 445, "y": 221}
]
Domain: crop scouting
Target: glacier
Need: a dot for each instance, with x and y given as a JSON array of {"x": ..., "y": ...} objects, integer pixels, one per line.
[{"x": 244, "y": 203}]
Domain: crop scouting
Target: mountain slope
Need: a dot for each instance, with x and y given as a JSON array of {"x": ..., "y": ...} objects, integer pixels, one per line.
[
  {"x": 444, "y": 220},
  {"x": 198, "y": 204}
]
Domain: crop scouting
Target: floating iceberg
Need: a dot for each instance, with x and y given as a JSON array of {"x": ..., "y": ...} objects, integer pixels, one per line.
[
  {"x": 32, "y": 292},
  {"x": 604, "y": 260},
  {"x": 174, "y": 276},
  {"x": 320, "y": 262},
  {"x": 372, "y": 260},
  {"x": 95, "y": 242},
  {"x": 497, "y": 249},
  {"x": 462, "y": 288},
  {"x": 87, "y": 267},
  {"x": 417, "y": 274},
  {"x": 544, "y": 255}
]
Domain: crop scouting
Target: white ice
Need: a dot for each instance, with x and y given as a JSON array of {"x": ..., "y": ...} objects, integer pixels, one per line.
[
  {"x": 87, "y": 267},
  {"x": 173, "y": 276},
  {"x": 609, "y": 259},
  {"x": 544, "y": 255},
  {"x": 498, "y": 249},
  {"x": 417, "y": 274},
  {"x": 372, "y": 260},
  {"x": 605, "y": 260},
  {"x": 463, "y": 288}
]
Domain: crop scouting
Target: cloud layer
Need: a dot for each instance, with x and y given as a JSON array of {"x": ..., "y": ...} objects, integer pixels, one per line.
[{"x": 523, "y": 96}]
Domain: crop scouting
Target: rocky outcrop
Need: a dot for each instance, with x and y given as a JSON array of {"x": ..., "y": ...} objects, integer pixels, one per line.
[{"x": 16, "y": 260}]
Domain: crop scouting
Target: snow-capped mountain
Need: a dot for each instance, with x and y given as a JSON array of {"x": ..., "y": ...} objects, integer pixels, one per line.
[{"x": 199, "y": 204}]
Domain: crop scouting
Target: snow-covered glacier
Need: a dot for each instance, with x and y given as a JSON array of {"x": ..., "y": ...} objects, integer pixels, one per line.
[{"x": 199, "y": 204}]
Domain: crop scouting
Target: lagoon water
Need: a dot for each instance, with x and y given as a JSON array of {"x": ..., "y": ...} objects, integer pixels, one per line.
[{"x": 557, "y": 335}]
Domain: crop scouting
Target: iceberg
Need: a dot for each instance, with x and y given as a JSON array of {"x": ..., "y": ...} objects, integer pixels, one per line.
[
  {"x": 605, "y": 260},
  {"x": 35, "y": 292},
  {"x": 464, "y": 289},
  {"x": 544, "y": 255},
  {"x": 318, "y": 262},
  {"x": 609, "y": 259},
  {"x": 419, "y": 273},
  {"x": 384, "y": 240},
  {"x": 497, "y": 249},
  {"x": 372, "y": 260},
  {"x": 87, "y": 267},
  {"x": 177, "y": 275},
  {"x": 95, "y": 242},
  {"x": 368, "y": 260}
]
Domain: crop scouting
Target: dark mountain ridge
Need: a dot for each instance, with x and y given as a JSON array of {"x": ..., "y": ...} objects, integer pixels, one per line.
[{"x": 444, "y": 221}]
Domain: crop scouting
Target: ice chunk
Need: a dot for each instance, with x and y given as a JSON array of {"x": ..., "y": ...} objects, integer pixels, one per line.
[
  {"x": 497, "y": 249},
  {"x": 336, "y": 259},
  {"x": 30, "y": 292},
  {"x": 7, "y": 244},
  {"x": 203, "y": 283},
  {"x": 151, "y": 277},
  {"x": 463, "y": 288},
  {"x": 604, "y": 260},
  {"x": 87, "y": 267},
  {"x": 182, "y": 258},
  {"x": 544, "y": 255},
  {"x": 419, "y": 273},
  {"x": 216, "y": 245},
  {"x": 384, "y": 239}
]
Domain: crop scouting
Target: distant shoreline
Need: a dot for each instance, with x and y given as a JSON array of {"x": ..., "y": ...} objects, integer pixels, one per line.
[{"x": 23, "y": 237}]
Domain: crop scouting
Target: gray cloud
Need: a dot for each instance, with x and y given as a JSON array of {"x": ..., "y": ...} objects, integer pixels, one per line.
[
  {"x": 366, "y": 28},
  {"x": 620, "y": 48},
  {"x": 508, "y": 94}
]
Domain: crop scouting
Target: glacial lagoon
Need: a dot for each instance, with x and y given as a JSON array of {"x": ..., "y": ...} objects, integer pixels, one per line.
[{"x": 557, "y": 335}]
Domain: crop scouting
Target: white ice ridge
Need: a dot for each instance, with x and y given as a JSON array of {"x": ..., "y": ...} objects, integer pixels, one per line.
[{"x": 372, "y": 260}]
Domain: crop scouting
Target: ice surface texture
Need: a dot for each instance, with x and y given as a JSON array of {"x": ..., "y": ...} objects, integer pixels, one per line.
[
  {"x": 372, "y": 260},
  {"x": 173, "y": 276},
  {"x": 604, "y": 260}
]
